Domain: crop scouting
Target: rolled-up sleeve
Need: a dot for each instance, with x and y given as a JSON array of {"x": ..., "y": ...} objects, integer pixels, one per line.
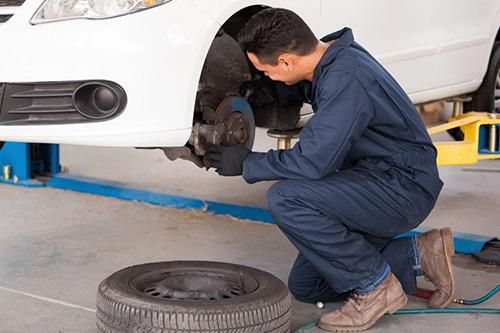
[{"x": 344, "y": 111}]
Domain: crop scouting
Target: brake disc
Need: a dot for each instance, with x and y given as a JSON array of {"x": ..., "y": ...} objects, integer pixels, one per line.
[
  {"x": 233, "y": 123},
  {"x": 237, "y": 116}
]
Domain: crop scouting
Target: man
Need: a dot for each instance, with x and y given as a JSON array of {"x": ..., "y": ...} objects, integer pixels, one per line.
[{"x": 363, "y": 172}]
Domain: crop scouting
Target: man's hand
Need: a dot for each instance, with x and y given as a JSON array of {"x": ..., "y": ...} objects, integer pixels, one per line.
[{"x": 227, "y": 160}]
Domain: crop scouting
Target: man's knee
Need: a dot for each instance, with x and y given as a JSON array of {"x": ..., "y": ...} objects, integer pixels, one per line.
[
  {"x": 284, "y": 195},
  {"x": 274, "y": 196},
  {"x": 281, "y": 202}
]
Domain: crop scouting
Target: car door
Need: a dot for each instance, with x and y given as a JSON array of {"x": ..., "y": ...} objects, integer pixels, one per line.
[
  {"x": 428, "y": 45},
  {"x": 466, "y": 29}
]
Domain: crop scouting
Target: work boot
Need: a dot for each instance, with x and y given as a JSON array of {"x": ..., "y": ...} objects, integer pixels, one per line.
[
  {"x": 436, "y": 249},
  {"x": 361, "y": 311}
]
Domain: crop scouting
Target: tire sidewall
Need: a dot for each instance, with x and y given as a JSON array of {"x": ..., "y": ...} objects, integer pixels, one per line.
[{"x": 118, "y": 288}]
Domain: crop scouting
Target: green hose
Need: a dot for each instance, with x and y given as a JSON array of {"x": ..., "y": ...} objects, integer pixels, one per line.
[
  {"x": 445, "y": 310},
  {"x": 308, "y": 326},
  {"x": 479, "y": 300}
]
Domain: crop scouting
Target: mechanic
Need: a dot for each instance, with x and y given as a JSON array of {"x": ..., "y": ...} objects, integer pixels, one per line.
[{"x": 363, "y": 172}]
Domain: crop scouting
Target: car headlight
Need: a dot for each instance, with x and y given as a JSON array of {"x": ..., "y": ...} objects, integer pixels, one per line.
[{"x": 55, "y": 10}]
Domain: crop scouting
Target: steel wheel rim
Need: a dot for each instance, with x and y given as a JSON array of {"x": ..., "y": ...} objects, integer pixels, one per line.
[{"x": 190, "y": 285}]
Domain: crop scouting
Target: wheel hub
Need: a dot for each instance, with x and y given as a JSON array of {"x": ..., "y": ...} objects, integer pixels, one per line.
[{"x": 238, "y": 129}]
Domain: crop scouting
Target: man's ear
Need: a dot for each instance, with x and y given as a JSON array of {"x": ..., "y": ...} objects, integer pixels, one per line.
[{"x": 286, "y": 60}]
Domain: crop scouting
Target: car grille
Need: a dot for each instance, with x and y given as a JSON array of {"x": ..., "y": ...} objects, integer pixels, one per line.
[
  {"x": 8, "y": 8},
  {"x": 1, "y": 93},
  {"x": 5, "y": 18},
  {"x": 38, "y": 103},
  {"x": 8, "y": 3},
  {"x": 57, "y": 102}
]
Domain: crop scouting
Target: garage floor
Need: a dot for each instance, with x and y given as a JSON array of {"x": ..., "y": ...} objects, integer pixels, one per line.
[{"x": 56, "y": 246}]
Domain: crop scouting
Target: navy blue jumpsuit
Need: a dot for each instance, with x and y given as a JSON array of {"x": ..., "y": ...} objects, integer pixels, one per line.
[{"x": 363, "y": 172}]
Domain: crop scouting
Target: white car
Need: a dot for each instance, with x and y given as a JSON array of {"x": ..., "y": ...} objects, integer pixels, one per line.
[{"x": 167, "y": 73}]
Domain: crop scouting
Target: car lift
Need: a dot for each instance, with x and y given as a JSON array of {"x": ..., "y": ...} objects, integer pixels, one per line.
[
  {"x": 24, "y": 163},
  {"x": 28, "y": 164},
  {"x": 481, "y": 139},
  {"x": 38, "y": 165}
]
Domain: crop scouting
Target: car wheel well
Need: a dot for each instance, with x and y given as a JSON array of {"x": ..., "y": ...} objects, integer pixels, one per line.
[
  {"x": 225, "y": 55},
  {"x": 236, "y": 22},
  {"x": 221, "y": 114},
  {"x": 227, "y": 68}
]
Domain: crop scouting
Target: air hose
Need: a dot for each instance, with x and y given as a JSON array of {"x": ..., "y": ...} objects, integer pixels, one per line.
[
  {"x": 478, "y": 300},
  {"x": 460, "y": 301}
]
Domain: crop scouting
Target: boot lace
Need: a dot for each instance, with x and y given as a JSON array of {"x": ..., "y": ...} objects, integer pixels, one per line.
[{"x": 356, "y": 300}]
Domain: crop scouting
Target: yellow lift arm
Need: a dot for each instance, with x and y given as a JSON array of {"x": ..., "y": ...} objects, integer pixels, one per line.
[{"x": 481, "y": 139}]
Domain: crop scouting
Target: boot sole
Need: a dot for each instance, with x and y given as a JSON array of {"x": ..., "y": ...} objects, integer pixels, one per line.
[
  {"x": 449, "y": 251},
  {"x": 399, "y": 303}
]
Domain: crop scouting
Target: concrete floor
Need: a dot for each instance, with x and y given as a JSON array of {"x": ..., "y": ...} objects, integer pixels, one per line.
[{"x": 56, "y": 246}]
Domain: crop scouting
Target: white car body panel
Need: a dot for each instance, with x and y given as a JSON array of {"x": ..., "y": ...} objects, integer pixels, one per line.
[{"x": 434, "y": 48}]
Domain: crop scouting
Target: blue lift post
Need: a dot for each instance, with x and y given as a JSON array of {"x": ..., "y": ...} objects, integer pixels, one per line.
[{"x": 21, "y": 163}]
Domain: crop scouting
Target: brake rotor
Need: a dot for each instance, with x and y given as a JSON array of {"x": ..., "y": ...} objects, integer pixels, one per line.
[{"x": 237, "y": 116}]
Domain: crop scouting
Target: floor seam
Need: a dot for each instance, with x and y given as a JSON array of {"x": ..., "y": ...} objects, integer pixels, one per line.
[{"x": 47, "y": 299}]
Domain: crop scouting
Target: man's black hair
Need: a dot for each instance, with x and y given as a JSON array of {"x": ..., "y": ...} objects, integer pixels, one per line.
[{"x": 274, "y": 31}]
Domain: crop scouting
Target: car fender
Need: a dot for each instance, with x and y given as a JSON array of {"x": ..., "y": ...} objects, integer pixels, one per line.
[{"x": 222, "y": 10}]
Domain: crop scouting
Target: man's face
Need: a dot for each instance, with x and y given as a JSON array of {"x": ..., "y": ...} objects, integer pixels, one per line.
[{"x": 284, "y": 71}]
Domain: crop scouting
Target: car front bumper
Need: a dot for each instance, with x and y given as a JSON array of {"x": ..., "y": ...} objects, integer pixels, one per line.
[{"x": 156, "y": 56}]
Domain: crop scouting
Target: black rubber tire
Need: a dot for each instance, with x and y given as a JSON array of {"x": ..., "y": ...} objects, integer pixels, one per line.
[
  {"x": 121, "y": 308},
  {"x": 484, "y": 98}
]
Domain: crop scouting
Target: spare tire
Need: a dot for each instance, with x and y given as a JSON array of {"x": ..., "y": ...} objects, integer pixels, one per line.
[{"x": 192, "y": 296}]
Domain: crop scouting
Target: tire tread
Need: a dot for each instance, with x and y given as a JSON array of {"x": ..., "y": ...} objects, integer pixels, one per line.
[
  {"x": 117, "y": 314},
  {"x": 482, "y": 99}
]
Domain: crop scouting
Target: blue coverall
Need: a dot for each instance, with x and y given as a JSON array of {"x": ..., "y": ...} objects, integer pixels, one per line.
[{"x": 363, "y": 172}]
